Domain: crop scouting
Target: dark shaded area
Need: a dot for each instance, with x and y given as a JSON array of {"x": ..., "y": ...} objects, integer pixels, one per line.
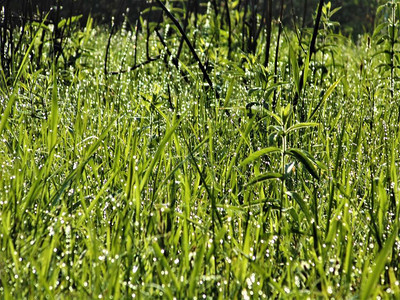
[
  {"x": 102, "y": 11},
  {"x": 355, "y": 17}
]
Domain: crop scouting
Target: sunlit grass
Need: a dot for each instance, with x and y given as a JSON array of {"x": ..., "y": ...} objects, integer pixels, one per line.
[{"x": 145, "y": 185}]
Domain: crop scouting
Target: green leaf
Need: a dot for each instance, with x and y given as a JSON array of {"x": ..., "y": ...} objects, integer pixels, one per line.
[
  {"x": 335, "y": 10},
  {"x": 276, "y": 117},
  {"x": 272, "y": 138},
  {"x": 327, "y": 94},
  {"x": 380, "y": 8},
  {"x": 53, "y": 120},
  {"x": 302, "y": 125},
  {"x": 295, "y": 68},
  {"x": 254, "y": 90},
  {"x": 265, "y": 176},
  {"x": 302, "y": 157},
  {"x": 62, "y": 23},
  {"x": 306, "y": 69},
  {"x": 277, "y": 129},
  {"x": 382, "y": 39},
  {"x": 252, "y": 157},
  {"x": 369, "y": 285},
  {"x": 286, "y": 113},
  {"x": 288, "y": 168},
  {"x": 379, "y": 28},
  {"x": 157, "y": 155},
  {"x": 303, "y": 205}
]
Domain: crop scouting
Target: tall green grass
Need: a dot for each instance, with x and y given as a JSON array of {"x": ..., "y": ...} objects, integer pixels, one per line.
[{"x": 145, "y": 185}]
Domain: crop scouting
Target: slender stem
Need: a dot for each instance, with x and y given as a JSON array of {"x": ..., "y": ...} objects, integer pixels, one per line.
[
  {"x": 316, "y": 26},
  {"x": 277, "y": 54},
  {"x": 228, "y": 19},
  {"x": 283, "y": 193}
]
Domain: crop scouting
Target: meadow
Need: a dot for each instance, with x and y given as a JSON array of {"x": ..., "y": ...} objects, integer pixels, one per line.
[{"x": 138, "y": 164}]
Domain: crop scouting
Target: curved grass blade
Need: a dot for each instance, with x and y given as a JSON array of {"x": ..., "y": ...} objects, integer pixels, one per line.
[
  {"x": 252, "y": 157},
  {"x": 301, "y": 156},
  {"x": 301, "y": 125},
  {"x": 266, "y": 176},
  {"x": 157, "y": 155},
  {"x": 243, "y": 139},
  {"x": 179, "y": 165},
  {"x": 289, "y": 168},
  {"x": 276, "y": 117},
  {"x": 327, "y": 94}
]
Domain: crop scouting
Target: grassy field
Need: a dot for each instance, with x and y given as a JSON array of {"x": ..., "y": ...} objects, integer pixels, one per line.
[{"x": 278, "y": 181}]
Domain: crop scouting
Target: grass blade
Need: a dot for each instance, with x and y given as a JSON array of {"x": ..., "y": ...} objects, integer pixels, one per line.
[
  {"x": 324, "y": 98},
  {"x": 368, "y": 285},
  {"x": 301, "y": 126},
  {"x": 264, "y": 177},
  {"x": 157, "y": 155},
  {"x": 302, "y": 205},
  {"x": 301, "y": 156},
  {"x": 252, "y": 157}
]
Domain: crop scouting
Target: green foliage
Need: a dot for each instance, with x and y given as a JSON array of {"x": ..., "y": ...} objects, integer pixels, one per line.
[{"x": 148, "y": 182}]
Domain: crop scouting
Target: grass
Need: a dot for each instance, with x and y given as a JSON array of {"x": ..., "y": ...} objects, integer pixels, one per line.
[{"x": 143, "y": 184}]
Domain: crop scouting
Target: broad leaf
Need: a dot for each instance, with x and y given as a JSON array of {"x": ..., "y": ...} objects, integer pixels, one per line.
[
  {"x": 302, "y": 157},
  {"x": 302, "y": 125},
  {"x": 252, "y": 157}
]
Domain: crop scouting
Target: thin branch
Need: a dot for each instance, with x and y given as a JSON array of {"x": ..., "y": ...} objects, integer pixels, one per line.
[
  {"x": 176, "y": 22},
  {"x": 108, "y": 49},
  {"x": 135, "y": 66},
  {"x": 175, "y": 60}
]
